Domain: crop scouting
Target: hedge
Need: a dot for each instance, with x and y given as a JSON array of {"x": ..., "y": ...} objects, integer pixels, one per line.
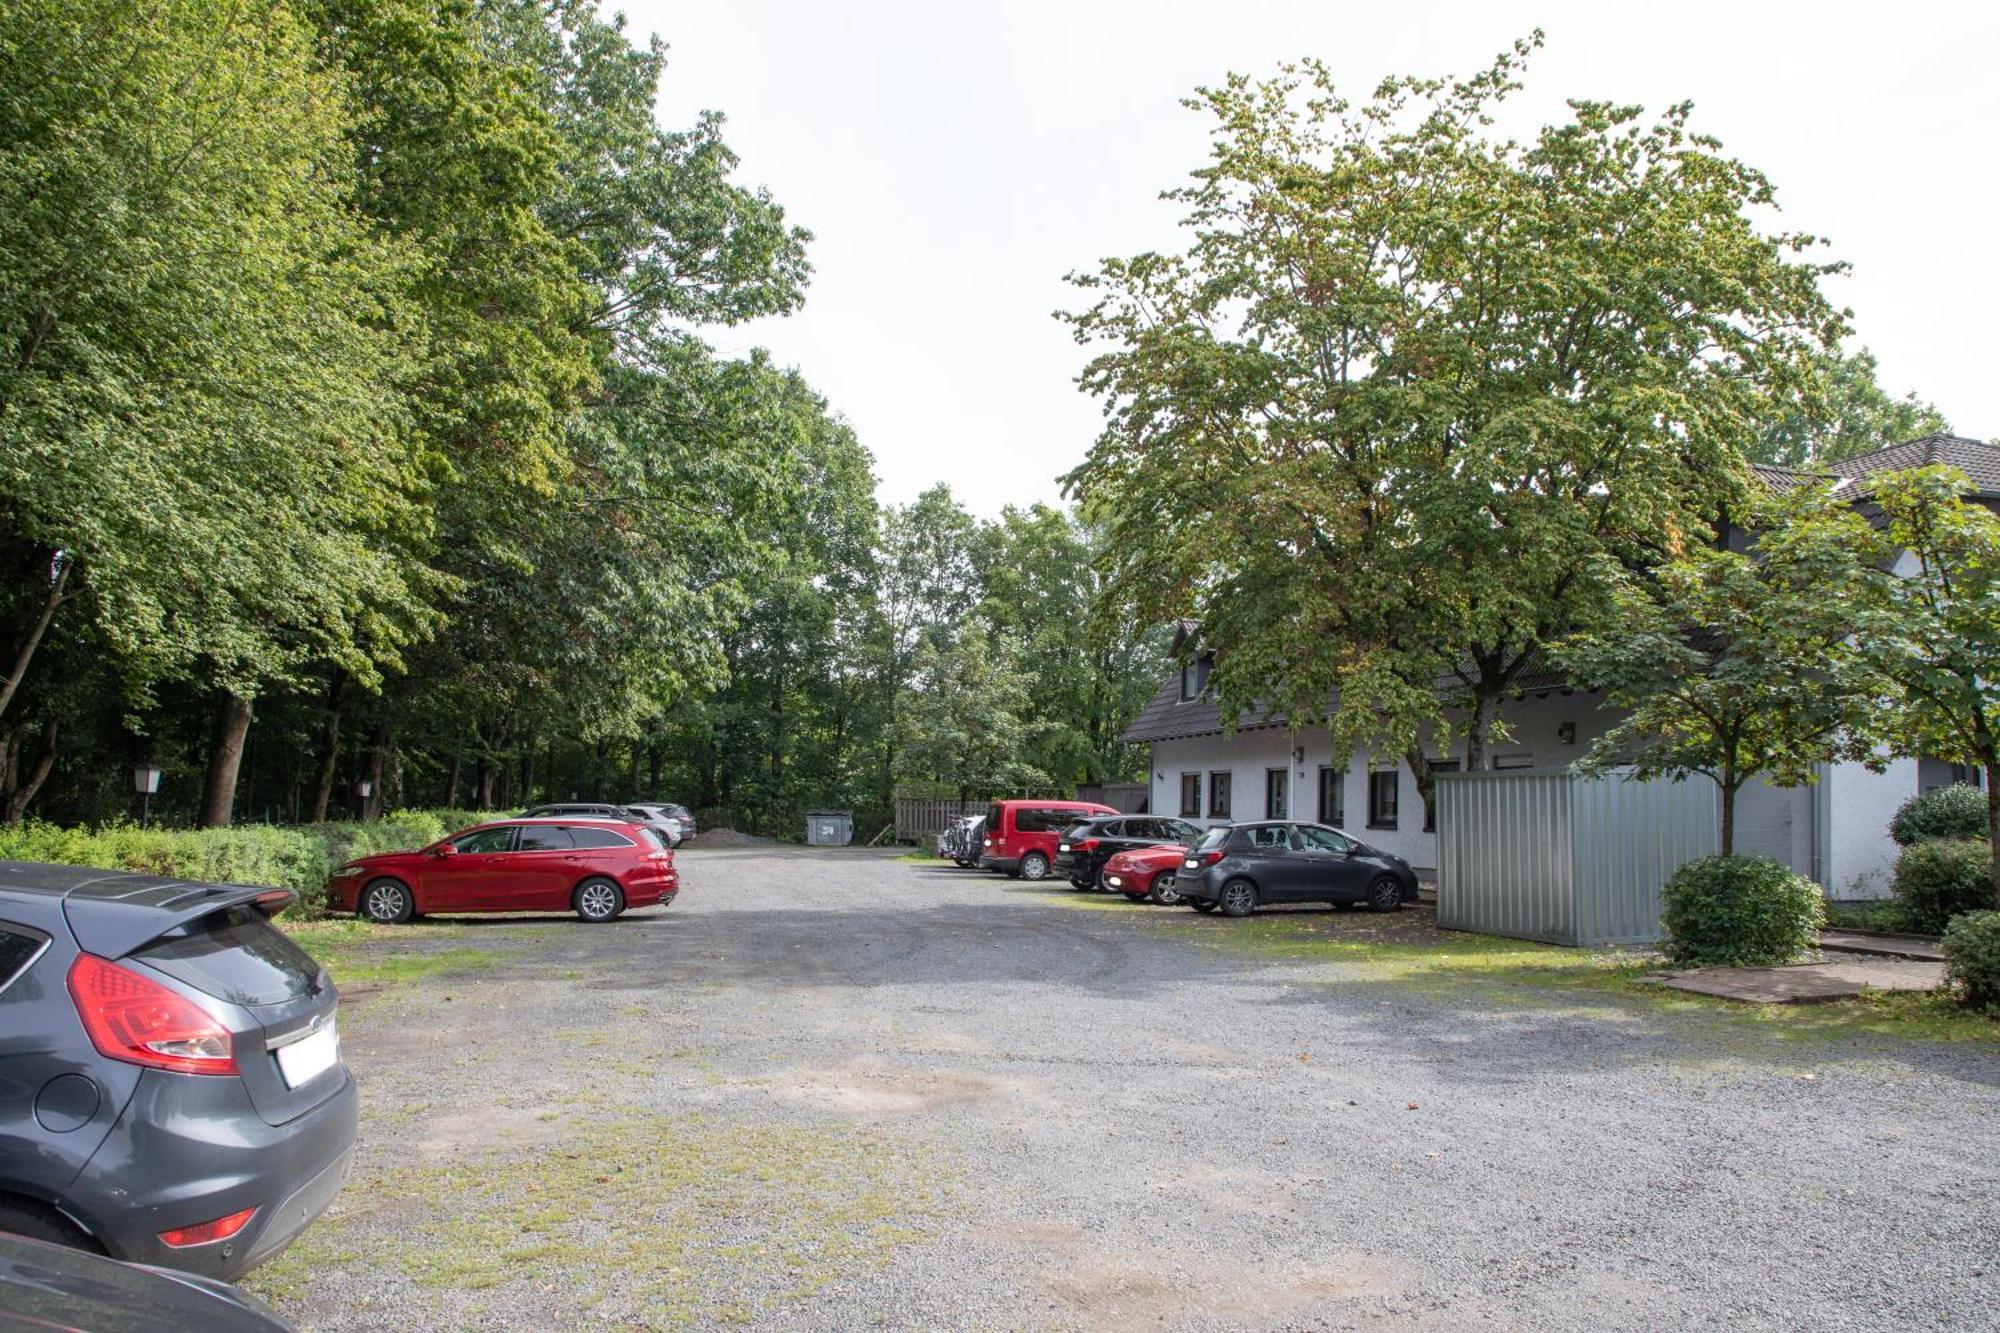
[
  {"x": 291, "y": 857},
  {"x": 1937, "y": 880},
  {"x": 1740, "y": 911},
  {"x": 1956, "y": 811},
  {"x": 1972, "y": 959}
]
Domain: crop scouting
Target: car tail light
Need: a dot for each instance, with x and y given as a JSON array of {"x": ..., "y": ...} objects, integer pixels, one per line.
[
  {"x": 207, "y": 1233},
  {"x": 133, "y": 1018},
  {"x": 1201, "y": 859},
  {"x": 1087, "y": 845}
]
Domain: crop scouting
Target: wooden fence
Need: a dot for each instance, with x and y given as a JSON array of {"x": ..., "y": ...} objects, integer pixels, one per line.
[{"x": 921, "y": 819}]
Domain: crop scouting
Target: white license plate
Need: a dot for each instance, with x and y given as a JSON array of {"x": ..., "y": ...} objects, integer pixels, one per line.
[{"x": 307, "y": 1058}]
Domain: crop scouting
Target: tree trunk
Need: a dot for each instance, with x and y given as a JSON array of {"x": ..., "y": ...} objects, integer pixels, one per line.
[
  {"x": 451, "y": 780},
  {"x": 653, "y": 770},
  {"x": 1993, "y": 824},
  {"x": 1420, "y": 768},
  {"x": 482, "y": 784},
  {"x": 38, "y": 773},
  {"x": 329, "y": 748},
  {"x": 26, "y": 652},
  {"x": 633, "y": 786},
  {"x": 1729, "y": 786},
  {"x": 378, "y": 759},
  {"x": 528, "y": 771},
  {"x": 218, "y": 796},
  {"x": 1475, "y": 737}
]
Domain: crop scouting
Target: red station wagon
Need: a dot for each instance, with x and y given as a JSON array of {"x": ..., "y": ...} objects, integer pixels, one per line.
[
  {"x": 1021, "y": 836},
  {"x": 594, "y": 867}
]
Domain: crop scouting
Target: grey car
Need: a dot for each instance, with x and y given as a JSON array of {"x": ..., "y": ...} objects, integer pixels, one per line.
[
  {"x": 647, "y": 816},
  {"x": 171, "y": 1087},
  {"x": 1245, "y": 866}
]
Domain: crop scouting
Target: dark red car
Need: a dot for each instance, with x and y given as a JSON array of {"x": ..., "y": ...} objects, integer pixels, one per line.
[
  {"x": 1146, "y": 873},
  {"x": 594, "y": 867}
]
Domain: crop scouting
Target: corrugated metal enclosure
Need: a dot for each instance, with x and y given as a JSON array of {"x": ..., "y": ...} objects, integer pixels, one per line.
[{"x": 1550, "y": 855}]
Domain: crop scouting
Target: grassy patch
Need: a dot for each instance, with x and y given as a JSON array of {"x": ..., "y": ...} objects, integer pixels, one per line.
[
  {"x": 1407, "y": 951},
  {"x": 1885, "y": 914},
  {"x": 918, "y": 854},
  {"x": 636, "y": 1220},
  {"x": 359, "y": 953}
]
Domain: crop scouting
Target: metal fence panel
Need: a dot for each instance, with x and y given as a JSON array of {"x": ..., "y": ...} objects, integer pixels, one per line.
[{"x": 1557, "y": 857}]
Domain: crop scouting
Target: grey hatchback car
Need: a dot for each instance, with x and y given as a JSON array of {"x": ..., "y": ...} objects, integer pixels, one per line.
[
  {"x": 171, "y": 1087},
  {"x": 1242, "y": 867}
]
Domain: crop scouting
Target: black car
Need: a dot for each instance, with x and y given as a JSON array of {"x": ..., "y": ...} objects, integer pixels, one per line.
[
  {"x": 171, "y": 1087},
  {"x": 1087, "y": 845},
  {"x": 55, "y": 1286},
  {"x": 1238, "y": 869}
]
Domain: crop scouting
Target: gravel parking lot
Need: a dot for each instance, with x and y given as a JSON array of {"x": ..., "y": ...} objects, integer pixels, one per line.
[{"x": 840, "y": 1090}]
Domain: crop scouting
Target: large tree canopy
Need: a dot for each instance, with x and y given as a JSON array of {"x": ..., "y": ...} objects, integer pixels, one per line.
[{"x": 1409, "y": 384}]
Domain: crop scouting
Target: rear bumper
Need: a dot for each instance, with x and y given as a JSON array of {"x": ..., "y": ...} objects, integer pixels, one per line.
[
  {"x": 189, "y": 1149},
  {"x": 1006, "y": 865}
]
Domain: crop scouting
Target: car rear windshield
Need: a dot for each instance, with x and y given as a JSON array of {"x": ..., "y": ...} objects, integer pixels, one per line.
[
  {"x": 234, "y": 955},
  {"x": 1215, "y": 837},
  {"x": 657, "y": 838}
]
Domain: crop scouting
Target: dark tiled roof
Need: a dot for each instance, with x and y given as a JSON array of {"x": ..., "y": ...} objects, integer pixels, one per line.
[
  {"x": 1166, "y": 718},
  {"x": 1975, "y": 458},
  {"x": 1782, "y": 479}
]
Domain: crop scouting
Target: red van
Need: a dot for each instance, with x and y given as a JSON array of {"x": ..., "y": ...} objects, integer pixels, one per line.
[{"x": 1021, "y": 835}]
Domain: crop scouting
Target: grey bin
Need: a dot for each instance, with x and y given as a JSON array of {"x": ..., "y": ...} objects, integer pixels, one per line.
[{"x": 829, "y": 828}]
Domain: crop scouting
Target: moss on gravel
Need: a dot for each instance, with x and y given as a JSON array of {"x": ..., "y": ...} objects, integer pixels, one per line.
[
  {"x": 357, "y": 953},
  {"x": 637, "y": 1220}
]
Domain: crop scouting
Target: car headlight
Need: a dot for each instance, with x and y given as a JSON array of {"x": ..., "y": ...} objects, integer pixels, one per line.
[{"x": 346, "y": 872}]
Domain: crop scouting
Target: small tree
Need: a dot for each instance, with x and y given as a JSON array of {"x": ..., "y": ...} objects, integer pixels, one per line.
[
  {"x": 1942, "y": 651},
  {"x": 1740, "y": 663}
]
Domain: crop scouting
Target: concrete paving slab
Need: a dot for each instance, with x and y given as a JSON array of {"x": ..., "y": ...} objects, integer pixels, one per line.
[
  {"x": 1808, "y": 983},
  {"x": 1921, "y": 947}
]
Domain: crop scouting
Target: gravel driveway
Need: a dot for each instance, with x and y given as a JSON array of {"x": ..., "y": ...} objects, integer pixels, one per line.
[{"x": 838, "y": 1090}]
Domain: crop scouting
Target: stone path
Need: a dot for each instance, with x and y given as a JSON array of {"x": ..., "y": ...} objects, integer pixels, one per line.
[
  {"x": 1808, "y": 983},
  {"x": 1921, "y": 947}
]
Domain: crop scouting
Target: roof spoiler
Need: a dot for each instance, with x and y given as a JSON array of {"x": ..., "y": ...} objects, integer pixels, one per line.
[{"x": 112, "y": 927}]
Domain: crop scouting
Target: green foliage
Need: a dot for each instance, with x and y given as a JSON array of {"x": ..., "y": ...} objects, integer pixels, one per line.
[
  {"x": 1937, "y": 880},
  {"x": 1739, "y": 911},
  {"x": 1412, "y": 391},
  {"x": 1939, "y": 650},
  {"x": 1733, "y": 664},
  {"x": 1972, "y": 959},
  {"x": 962, "y": 723},
  {"x": 1855, "y": 417},
  {"x": 1955, "y": 811}
]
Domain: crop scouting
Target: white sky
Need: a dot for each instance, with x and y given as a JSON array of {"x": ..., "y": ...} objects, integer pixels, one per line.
[{"x": 954, "y": 161}]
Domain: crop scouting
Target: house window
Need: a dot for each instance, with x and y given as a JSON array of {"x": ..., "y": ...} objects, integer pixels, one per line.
[
  {"x": 1190, "y": 796},
  {"x": 1194, "y": 677},
  {"x": 1332, "y": 795},
  {"x": 1218, "y": 796},
  {"x": 1503, "y": 762},
  {"x": 1430, "y": 810},
  {"x": 1277, "y": 785},
  {"x": 1382, "y": 799}
]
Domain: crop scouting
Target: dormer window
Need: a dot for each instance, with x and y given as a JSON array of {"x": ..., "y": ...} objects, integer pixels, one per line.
[{"x": 1194, "y": 677}]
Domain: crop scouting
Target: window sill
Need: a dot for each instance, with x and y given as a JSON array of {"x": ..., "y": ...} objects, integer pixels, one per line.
[{"x": 1387, "y": 827}]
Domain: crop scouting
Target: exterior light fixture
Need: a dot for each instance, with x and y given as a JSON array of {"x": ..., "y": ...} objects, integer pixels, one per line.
[{"x": 145, "y": 781}]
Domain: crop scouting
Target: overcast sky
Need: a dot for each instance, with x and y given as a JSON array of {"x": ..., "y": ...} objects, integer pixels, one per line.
[{"x": 955, "y": 161}]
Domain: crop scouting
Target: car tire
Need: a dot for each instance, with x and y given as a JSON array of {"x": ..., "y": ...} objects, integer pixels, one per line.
[
  {"x": 37, "y": 1222},
  {"x": 1034, "y": 866},
  {"x": 1239, "y": 898},
  {"x": 1133, "y": 897},
  {"x": 1163, "y": 891},
  {"x": 387, "y": 902},
  {"x": 1385, "y": 895},
  {"x": 1203, "y": 905},
  {"x": 1082, "y": 885},
  {"x": 598, "y": 900}
]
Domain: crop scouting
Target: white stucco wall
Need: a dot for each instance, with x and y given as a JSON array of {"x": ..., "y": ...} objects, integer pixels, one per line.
[
  {"x": 1534, "y": 724},
  {"x": 1859, "y": 855}
]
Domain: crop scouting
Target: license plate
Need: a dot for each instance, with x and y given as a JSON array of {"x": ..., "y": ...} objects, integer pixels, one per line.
[{"x": 307, "y": 1058}]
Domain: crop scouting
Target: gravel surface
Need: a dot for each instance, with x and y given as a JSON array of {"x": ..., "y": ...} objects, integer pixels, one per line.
[{"x": 838, "y": 1090}]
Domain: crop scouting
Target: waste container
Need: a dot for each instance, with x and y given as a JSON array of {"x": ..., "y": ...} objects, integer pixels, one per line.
[{"x": 829, "y": 828}]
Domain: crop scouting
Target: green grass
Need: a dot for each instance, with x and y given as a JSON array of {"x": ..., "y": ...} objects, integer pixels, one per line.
[
  {"x": 643, "y": 1220},
  {"x": 1405, "y": 952},
  {"x": 1886, "y": 914},
  {"x": 358, "y": 953}
]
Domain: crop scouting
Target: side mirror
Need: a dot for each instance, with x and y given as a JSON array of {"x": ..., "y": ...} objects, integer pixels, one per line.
[{"x": 444, "y": 849}]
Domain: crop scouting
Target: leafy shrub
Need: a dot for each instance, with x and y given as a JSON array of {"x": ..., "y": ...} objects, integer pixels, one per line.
[
  {"x": 1945, "y": 812},
  {"x": 1739, "y": 911},
  {"x": 1937, "y": 880},
  {"x": 1972, "y": 959}
]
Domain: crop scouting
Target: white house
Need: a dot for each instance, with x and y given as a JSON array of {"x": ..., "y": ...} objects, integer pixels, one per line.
[{"x": 1834, "y": 831}]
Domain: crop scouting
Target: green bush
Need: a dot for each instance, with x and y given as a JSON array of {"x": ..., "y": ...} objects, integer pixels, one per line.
[
  {"x": 1739, "y": 911},
  {"x": 1946, "y": 812},
  {"x": 1972, "y": 959},
  {"x": 1937, "y": 880}
]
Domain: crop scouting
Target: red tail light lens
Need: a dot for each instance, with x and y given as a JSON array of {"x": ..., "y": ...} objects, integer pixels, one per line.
[
  {"x": 1210, "y": 858},
  {"x": 1087, "y": 845},
  {"x": 207, "y": 1233},
  {"x": 133, "y": 1018}
]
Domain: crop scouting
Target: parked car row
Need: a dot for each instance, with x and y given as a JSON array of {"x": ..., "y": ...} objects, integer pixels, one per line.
[
  {"x": 673, "y": 821},
  {"x": 1230, "y": 868}
]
